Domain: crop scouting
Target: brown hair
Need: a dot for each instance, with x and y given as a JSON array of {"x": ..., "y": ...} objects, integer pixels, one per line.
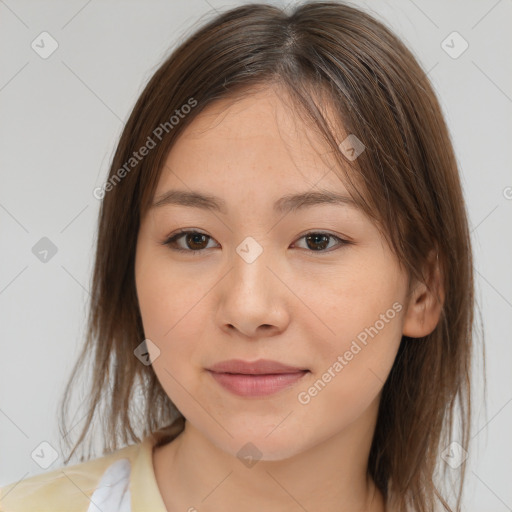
[{"x": 321, "y": 53}]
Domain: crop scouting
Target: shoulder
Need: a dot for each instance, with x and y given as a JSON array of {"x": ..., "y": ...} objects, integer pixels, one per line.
[{"x": 71, "y": 488}]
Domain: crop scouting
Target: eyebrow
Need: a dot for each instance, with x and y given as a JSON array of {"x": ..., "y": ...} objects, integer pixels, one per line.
[{"x": 285, "y": 204}]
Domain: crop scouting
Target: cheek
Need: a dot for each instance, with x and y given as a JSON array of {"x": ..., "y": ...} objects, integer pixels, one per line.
[
  {"x": 170, "y": 322},
  {"x": 169, "y": 314},
  {"x": 356, "y": 298},
  {"x": 363, "y": 310},
  {"x": 166, "y": 306},
  {"x": 164, "y": 294},
  {"x": 353, "y": 368}
]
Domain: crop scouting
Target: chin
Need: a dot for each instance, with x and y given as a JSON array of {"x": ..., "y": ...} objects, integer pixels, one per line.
[{"x": 256, "y": 443}]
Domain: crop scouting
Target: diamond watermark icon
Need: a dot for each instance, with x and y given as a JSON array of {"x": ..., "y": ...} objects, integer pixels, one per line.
[
  {"x": 44, "y": 45},
  {"x": 147, "y": 352},
  {"x": 351, "y": 147},
  {"x": 44, "y": 250},
  {"x": 44, "y": 455},
  {"x": 249, "y": 455},
  {"x": 249, "y": 250},
  {"x": 454, "y": 45},
  {"x": 454, "y": 455}
]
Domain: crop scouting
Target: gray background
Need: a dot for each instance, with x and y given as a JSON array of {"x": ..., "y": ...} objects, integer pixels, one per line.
[{"x": 61, "y": 118}]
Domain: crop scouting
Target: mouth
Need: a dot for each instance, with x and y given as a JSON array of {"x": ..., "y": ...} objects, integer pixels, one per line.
[{"x": 254, "y": 379}]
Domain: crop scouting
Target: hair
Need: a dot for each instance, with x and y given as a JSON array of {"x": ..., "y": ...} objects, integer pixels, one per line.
[{"x": 321, "y": 54}]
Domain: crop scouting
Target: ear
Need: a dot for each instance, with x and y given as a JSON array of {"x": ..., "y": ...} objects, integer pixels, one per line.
[{"x": 425, "y": 301}]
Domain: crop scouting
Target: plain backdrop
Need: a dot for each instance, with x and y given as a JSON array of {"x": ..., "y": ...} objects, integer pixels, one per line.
[{"x": 61, "y": 116}]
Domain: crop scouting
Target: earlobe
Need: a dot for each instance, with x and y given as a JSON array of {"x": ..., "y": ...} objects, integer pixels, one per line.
[{"x": 425, "y": 303}]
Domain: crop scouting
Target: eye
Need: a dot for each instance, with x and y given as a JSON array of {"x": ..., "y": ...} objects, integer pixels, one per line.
[
  {"x": 196, "y": 242},
  {"x": 318, "y": 242}
]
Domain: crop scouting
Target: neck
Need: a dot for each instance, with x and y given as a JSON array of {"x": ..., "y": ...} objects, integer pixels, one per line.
[{"x": 193, "y": 473}]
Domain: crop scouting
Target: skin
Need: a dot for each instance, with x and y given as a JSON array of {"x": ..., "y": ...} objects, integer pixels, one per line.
[{"x": 292, "y": 304}]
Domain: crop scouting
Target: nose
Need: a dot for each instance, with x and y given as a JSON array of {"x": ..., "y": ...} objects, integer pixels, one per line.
[{"x": 252, "y": 300}]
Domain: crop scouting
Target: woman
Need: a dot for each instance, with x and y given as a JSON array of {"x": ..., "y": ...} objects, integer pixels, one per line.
[{"x": 283, "y": 274}]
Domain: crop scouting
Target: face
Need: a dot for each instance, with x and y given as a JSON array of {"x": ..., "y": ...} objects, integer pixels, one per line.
[{"x": 315, "y": 287}]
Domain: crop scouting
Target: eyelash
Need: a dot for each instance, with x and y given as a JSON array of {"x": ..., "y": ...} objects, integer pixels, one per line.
[{"x": 173, "y": 239}]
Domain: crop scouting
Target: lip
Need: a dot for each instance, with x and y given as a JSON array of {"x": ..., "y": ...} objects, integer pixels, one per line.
[
  {"x": 254, "y": 379},
  {"x": 259, "y": 367}
]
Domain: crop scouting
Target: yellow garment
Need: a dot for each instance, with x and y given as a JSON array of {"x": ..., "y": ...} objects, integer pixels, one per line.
[{"x": 70, "y": 488}]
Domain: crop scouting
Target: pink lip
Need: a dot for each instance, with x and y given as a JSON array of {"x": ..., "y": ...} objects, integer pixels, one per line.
[
  {"x": 262, "y": 366},
  {"x": 258, "y": 378}
]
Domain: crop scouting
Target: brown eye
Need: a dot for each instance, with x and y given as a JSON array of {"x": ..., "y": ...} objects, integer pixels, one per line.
[
  {"x": 194, "y": 241},
  {"x": 319, "y": 242}
]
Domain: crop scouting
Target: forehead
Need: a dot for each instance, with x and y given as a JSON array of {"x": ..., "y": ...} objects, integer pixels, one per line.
[{"x": 251, "y": 142}]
